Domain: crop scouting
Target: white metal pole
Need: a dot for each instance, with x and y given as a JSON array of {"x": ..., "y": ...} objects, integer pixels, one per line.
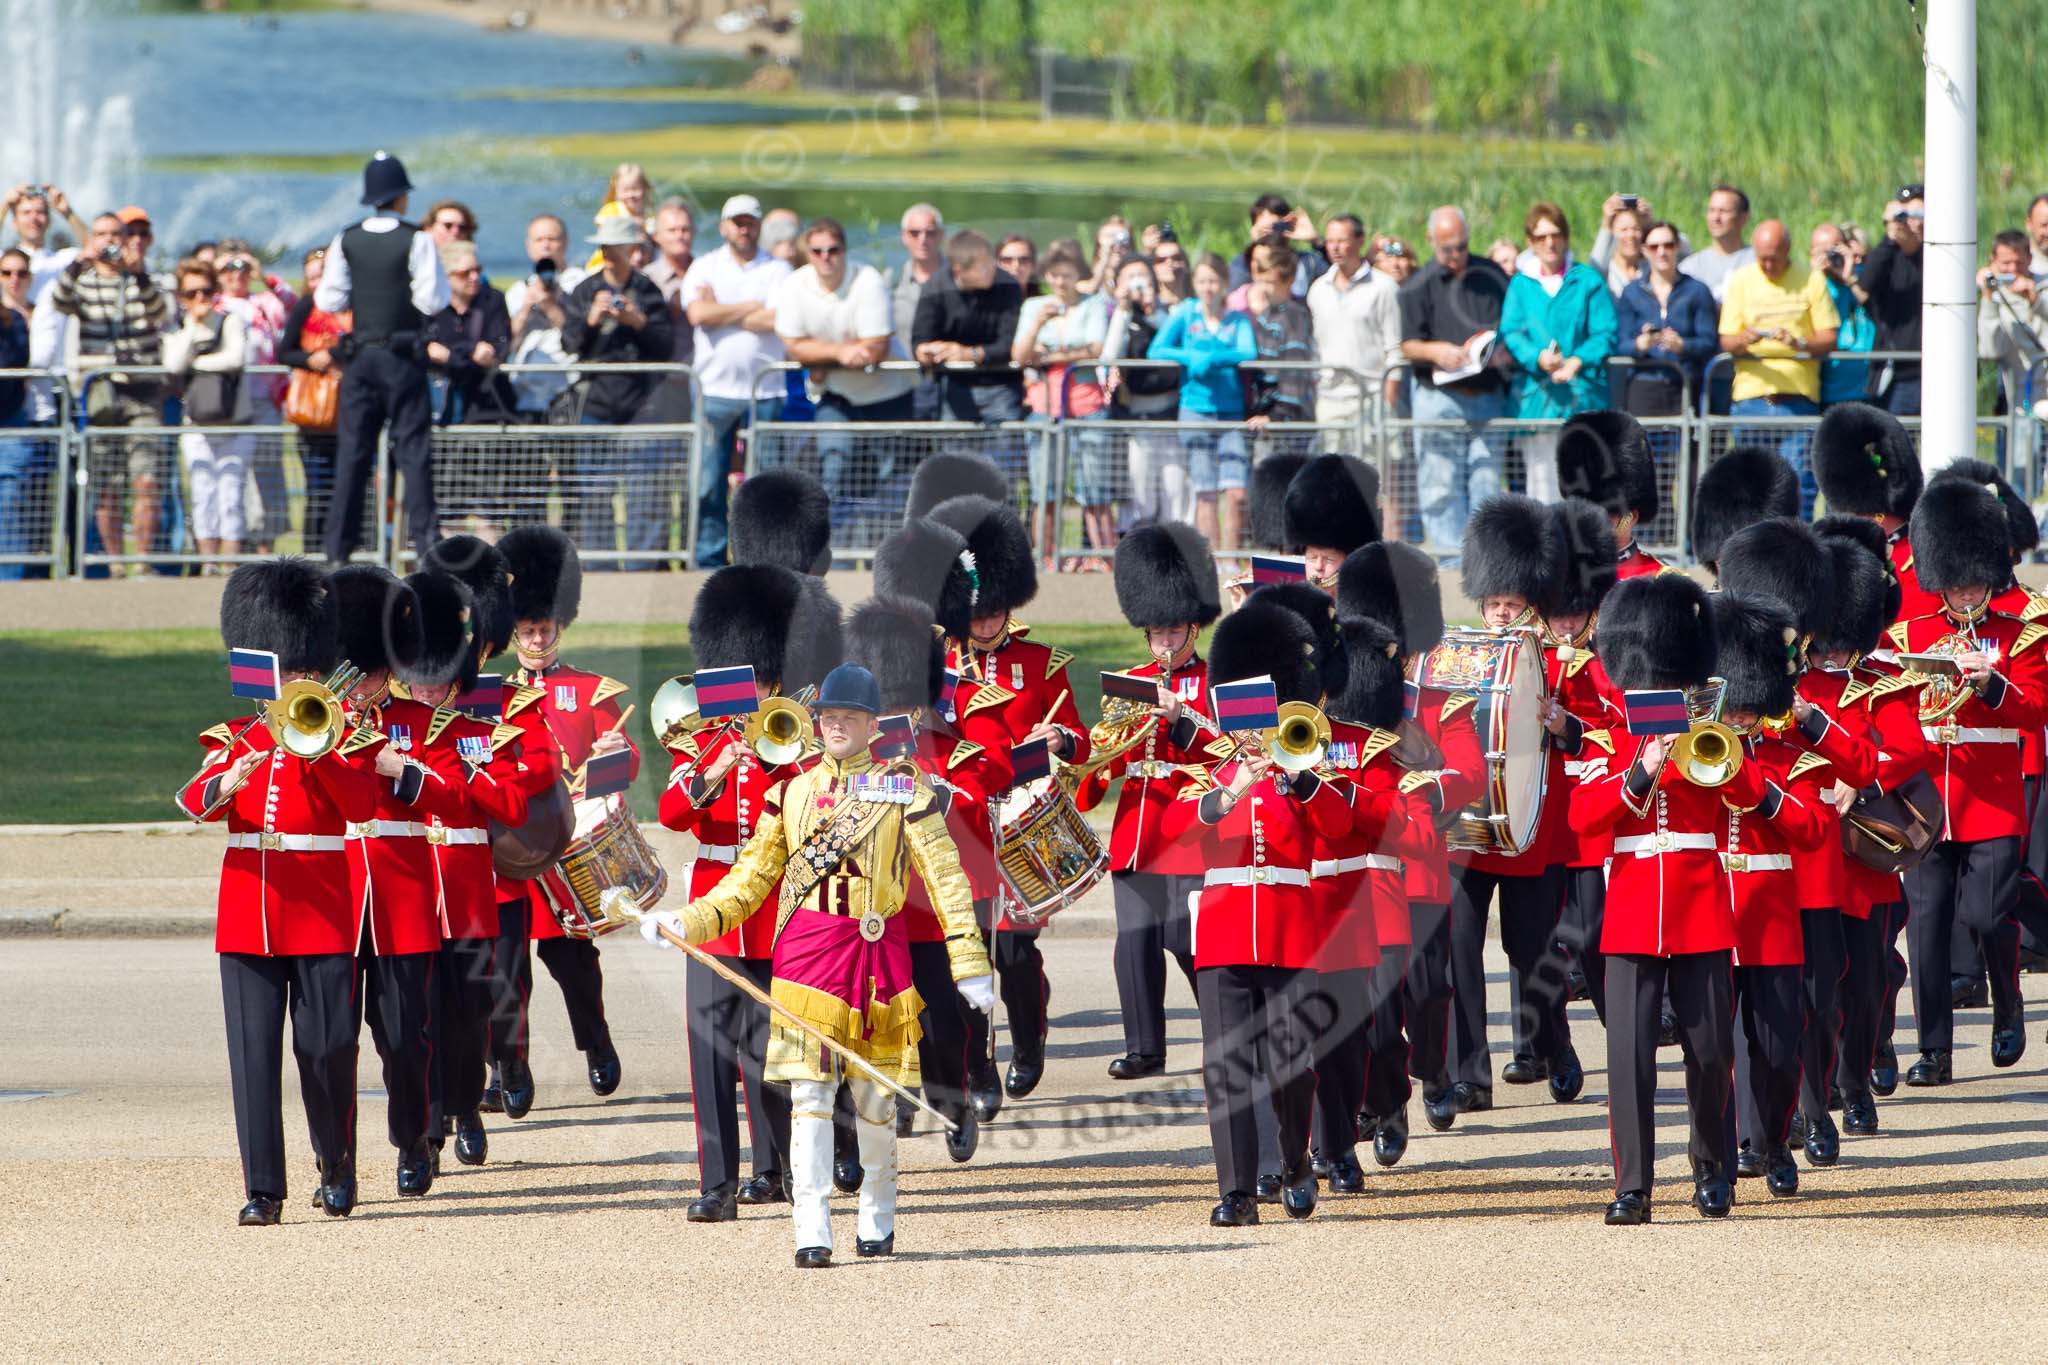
[{"x": 1948, "y": 308}]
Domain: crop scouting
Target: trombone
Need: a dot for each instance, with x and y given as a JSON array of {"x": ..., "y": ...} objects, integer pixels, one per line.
[
  {"x": 305, "y": 719},
  {"x": 1710, "y": 753}
]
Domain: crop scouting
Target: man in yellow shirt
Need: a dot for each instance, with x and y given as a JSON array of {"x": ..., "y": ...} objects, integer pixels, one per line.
[{"x": 1778, "y": 318}]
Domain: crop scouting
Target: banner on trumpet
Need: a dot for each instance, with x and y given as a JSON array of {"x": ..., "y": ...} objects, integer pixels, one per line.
[
  {"x": 485, "y": 701},
  {"x": 1253, "y": 704},
  {"x": 1130, "y": 687},
  {"x": 1658, "y": 711},
  {"x": 254, "y": 674},
  {"x": 723, "y": 692}
]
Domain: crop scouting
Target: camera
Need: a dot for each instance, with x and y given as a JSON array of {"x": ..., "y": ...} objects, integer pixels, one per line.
[
  {"x": 545, "y": 269},
  {"x": 1836, "y": 260},
  {"x": 617, "y": 303},
  {"x": 111, "y": 253},
  {"x": 1166, "y": 232},
  {"x": 1629, "y": 201}
]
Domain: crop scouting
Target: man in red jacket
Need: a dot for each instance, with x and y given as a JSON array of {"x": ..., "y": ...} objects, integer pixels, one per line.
[
  {"x": 1604, "y": 457},
  {"x": 286, "y": 933}
]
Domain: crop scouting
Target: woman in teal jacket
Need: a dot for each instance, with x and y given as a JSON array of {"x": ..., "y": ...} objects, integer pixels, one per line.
[{"x": 1559, "y": 326}]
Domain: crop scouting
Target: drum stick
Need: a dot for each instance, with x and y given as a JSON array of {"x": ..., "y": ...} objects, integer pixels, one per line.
[
  {"x": 617, "y": 726},
  {"x": 1053, "y": 710},
  {"x": 802, "y": 1025}
]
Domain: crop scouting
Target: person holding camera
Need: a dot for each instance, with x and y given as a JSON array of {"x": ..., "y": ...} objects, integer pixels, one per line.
[
  {"x": 207, "y": 353},
  {"x": 1890, "y": 286},
  {"x": 29, "y": 208},
  {"x": 2012, "y": 318},
  {"x": 1271, "y": 213},
  {"x": 537, "y": 308},
  {"x": 1668, "y": 322},
  {"x": 118, "y": 315},
  {"x": 387, "y": 272},
  {"x": 1158, "y": 477},
  {"x": 618, "y": 316},
  {"x": 1844, "y": 377}
]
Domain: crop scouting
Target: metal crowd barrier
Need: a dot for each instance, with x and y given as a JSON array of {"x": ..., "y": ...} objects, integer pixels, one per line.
[{"x": 35, "y": 471}]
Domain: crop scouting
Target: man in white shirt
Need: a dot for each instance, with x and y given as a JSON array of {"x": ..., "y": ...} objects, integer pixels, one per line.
[
  {"x": 29, "y": 208},
  {"x": 1727, "y": 248},
  {"x": 536, "y": 307},
  {"x": 1356, "y": 312},
  {"x": 726, "y": 298},
  {"x": 835, "y": 320}
]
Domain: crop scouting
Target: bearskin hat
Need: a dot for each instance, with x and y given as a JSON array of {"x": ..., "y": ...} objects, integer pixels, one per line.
[
  {"x": 1266, "y": 502},
  {"x": 1262, "y": 638},
  {"x": 448, "y": 652},
  {"x": 1512, "y": 549},
  {"x": 1744, "y": 486},
  {"x": 489, "y": 580},
  {"x": 780, "y": 516},
  {"x": 1166, "y": 576},
  {"x": 1656, "y": 631},
  {"x": 1756, "y": 648},
  {"x": 1865, "y": 463},
  {"x": 1006, "y": 574},
  {"x": 782, "y": 623},
  {"x": 547, "y": 575},
  {"x": 1371, "y": 694},
  {"x": 1316, "y": 607},
  {"x": 2023, "y": 532},
  {"x": 892, "y": 638},
  {"x": 1333, "y": 501},
  {"x": 1395, "y": 584},
  {"x": 1959, "y": 535},
  {"x": 1587, "y": 568},
  {"x": 1862, "y": 530},
  {"x": 1604, "y": 457},
  {"x": 1781, "y": 559},
  {"x": 1866, "y": 600},
  {"x": 379, "y": 617},
  {"x": 1869, "y": 539},
  {"x": 283, "y": 605},
  {"x": 925, "y": 562},
  {"x": 947, "y": 474}
]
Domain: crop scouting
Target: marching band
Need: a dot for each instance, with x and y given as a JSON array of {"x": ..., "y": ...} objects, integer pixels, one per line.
[{"x": 1712, "y": 813}]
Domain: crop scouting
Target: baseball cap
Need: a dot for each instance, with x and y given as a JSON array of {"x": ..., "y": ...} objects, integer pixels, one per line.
[
  {"x": 132, "y": 215},
  {"x": 1908, "y": 193},
  {"x": 741, "y": 206}
]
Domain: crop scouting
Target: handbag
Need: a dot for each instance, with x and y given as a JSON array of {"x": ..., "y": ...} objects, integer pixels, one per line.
[
  {"x": 312, "y": 399},
  {"x": 210, "y": 395}
]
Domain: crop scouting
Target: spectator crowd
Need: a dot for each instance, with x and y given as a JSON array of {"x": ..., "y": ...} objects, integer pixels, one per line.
[{"x": 1170, "y": 372}]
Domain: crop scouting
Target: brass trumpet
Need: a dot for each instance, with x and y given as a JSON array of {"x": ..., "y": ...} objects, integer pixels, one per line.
[
  {"x": 1302, "y": 738},
  {"x": 305, "y": 718},
  {"x": 1710, "y": 753},
  {"x": 779, "y": 732}
]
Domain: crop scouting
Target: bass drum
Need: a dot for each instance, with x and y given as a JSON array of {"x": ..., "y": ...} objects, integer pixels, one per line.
[
  {"x": 537, "y": 845},
  {"x": 1503, "y": 670}
]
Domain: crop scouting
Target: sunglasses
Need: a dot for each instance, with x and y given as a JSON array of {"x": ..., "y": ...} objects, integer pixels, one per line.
[
  {"x": 464, "y": 274},
  {"x": 834, "y": 250},
  {"x": 1015, "y": 260},
  {"x": 195, "y": 293},
  {"x": 13, "y": 274},
  {"x": 1550, "y": 236},
  {"x": 920, "y": 232},
  {"x": 452, "y": 225},
  {"x": 1660, "y": 246},
  {"x": 236, "y": 263}
]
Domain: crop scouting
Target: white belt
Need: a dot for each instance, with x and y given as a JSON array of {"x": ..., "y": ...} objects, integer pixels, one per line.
[
  {"x": 1650, "y": 845},
  {"x": 1151, "y": 769},
  {"x": 386, "y": 829},
  {"x": 718, "y": 853},
  {"x": 1757, "y": 862},
  {"x": 289, "y": 843},
  {"x": 1255, "y": 876},
  {"x": 1968, "y": 734},
  {"x": 1574, "y": 767},
  {"x": 440, "y": 834},
  {"x": 1363, "y": 862}
]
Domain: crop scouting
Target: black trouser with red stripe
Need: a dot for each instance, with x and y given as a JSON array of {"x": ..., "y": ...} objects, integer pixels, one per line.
[
  {"x": 573, "y": 963},
  {"x": 1020, "y": 980},
  {"x": 1896, "y": 916},
  {"x": 1578, "y": 928},
  {"x": 1863, "y": 997},
  {"x": 1426, "y": 996},
  {"x": 1257, "y": 1043},
  {"x": 1701, "y": 987},
  {"x": 1769, "y": 1028},
  {"x": 398, "y": 1001},
  {"x": 1976, "y": 884},
  {"x": 1152, "y": 923},
  {"x": 728, "y": 1047},
  {"x": 505, "y": 1039},
  {"x": 1821, "y": 979},
  {"x": 1529, "y": 909},
  {"x": 318, "y": 992},
  {"x": 945, "y": 1020},
  {"x": 1386, "y": 1089},
  {"x": 467, "y": 992},
  {"x": 1340, "y": 1007}
]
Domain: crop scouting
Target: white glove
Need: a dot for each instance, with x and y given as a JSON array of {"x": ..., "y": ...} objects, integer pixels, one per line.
[
  {"x": 980, "y": 992},
  {"x": 652, "y": 925}
]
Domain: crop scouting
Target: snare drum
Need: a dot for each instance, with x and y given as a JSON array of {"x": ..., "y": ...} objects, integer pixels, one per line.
[
  {"x": 1503, "y": 670},
  {"x": 1047, "y": 853},
  {"x": 607, "y": 855}
]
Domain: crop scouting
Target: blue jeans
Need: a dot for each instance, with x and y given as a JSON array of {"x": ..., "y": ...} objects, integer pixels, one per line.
[
  {"x": 1215, "y": 461},
  {"x": 849, "y": 467},
  {"x": 1088, "y": 471},
  {"x": 1455, "y": 470},
  {"x": 723, "y": 420},
  {"x": 1792, "y": 445},
  {"x": 25, "y": 465}
]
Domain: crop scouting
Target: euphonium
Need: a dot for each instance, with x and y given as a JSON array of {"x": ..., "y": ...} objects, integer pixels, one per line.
[
  {"x": 1301, "y": 739},
  {"x": 779, "y": 731},
  {"x": 1941, "y": 695},
  {"x": 1123, "y": 727}
]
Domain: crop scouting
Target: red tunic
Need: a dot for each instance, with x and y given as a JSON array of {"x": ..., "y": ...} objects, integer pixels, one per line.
[
  {"x": 1888, "y": 708},
  {"x": 482, "y": 771},
  {"x": 392, "y": 881},
  {"x": 1635, "y": 561},
  {"x": 1581, "y": 687},
  {"x": 2017, "y": 601},
  {"x": 1151, "y": 781},
  {"x": 967, "y": 777},
  {"x": 1767, "y": 899},
  {"x": 1976, "y": 751},
  {"x": 1852, "y": 761},
  {"x": 1447, "y": 719},
  {"x": 1914, "y": 600},
  {"x": 284, "y": 886},
  {"x": 722, "y": 819},
  {"x": 541, "y": 765},
  {"x": 577, "y": 707},
  {"x": 1363, "y": 871}
]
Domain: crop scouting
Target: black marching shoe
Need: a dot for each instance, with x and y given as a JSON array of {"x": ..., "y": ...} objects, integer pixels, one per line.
[
  {"x": 472, "y": 1144},
  {"x": 494, "y": 1093},
  {"x": 964, "y": 1140},
  {"x": 1440, "y": 1109},
  {"x": 1567, "y": 1077},
  {"x": 1933, "y": 1068},
  {"x": 1859, "y": 1115},
  {"x": 1134, "y": 1066},
  {"x": 906, "y": 1118},
  {"x": 416, "y": 1173},
  {"x": 1712, "y": 1196},
  {"x": 1299, "y": 1195},
  {"x": 1471, "y": 1099},
  {"x": 1522, "y": 1070},
  {"x": 518, "y": 1091},
  {"x": 884, "y": 1246},
  {"x": 262, "y": 1211},
  {"x": 1749, "y": 1162},
  {"x": 1235, "y": 1210},
  {"x": 762, "y": 1189},
  {"x": 1823, "y": 1141},
  {"x": 604, "y": 1070},
  {"x": 1968, "y": 993},
  {"x": 1575, "y": 987},
  {"x": 2008, "y": 1036},
  {"x": 1390, "y": 1140},
  {"x": 1269, "y": 1188},
  {"x": 1781, "y": 1173},
  {"x": 1318, "y": 1164},
  {"x": 813, "y": 1258},
  {"x": 1346, "y": 1175},
  {"x": 985, "y": 1092},
  {"x": 1631, "y": 1209},
  {"x": 846, "y": 1173},
  {"x": 1795, "y": 1137},
  {"x": 1884, "y": 1071},
  {"x": 713, "y": 1206},
  {"x": 1026, "y": 1070},
  {"x": 338, "y": 1195},
  {"x": 1667, "y": 1028}
]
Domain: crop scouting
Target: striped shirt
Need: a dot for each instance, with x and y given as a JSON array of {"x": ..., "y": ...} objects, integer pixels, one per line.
[{"x": 119, "y": 315}]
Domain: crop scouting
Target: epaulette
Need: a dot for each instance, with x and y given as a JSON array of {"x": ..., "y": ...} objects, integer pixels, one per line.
[
  {"x": 1907, "y": 562},
  {"x": 1201, "y": 781},
  {"x": 1055, "y": 660},
  {"x": 1897, "y": 633},
  {"x": 1455, "y": 703},
  {"x": 399, "y": 691},
  {"x": 1223, "y": 746},
  {"x": 2029, "y": 634},
  {"x": 1668, "y": 568},
  {"x": 1806, "y": 763},
  {"x": 606, "y": 689},
  {"x": 521, "y": 698},
  {"x": 1411, "y": 782},
  {"x": 1576, "y": 665},
  {"x": 1600, "y": 739},
  {"x": 1884, "y": 687},
  {"x": 2036, "y": 608},
  {"x": 439, "y": 721},
  {"x": 963, "y": 751},
  {"x": 986, "y": 696},
  {"x": 687, "y": 746},
  {"x": 359, "y": 739},
  {"x": 220, "y": 735},
  {"x": 501, "y": 735},
  {"x": 1853, "y": 691},
  {"x": 1379, "y": 743}
]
